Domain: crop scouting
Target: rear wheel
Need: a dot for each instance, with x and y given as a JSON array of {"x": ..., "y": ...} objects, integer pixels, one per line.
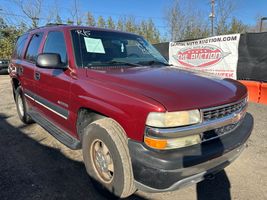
[
  {"x": 106, "y": 157},
  {"x": 22, "y": 107}
]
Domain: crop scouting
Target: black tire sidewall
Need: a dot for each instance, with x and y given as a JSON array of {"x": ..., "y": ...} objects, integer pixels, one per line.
[
  {"x": 24, "y": 118},
  {"x": 94, "y": 132}
]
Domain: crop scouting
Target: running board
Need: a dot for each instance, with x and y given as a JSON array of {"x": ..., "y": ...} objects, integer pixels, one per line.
[{"x": 59, "y": 134}]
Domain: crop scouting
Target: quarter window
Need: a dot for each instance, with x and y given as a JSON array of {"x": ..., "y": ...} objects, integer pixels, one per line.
[
  {"x": 20, "y": 46},
  {"x": 55, "y": 43},
  {"x": 32, "y": 51}
]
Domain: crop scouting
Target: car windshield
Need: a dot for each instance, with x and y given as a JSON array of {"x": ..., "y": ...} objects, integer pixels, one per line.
[{"x": 95, "y": 48}]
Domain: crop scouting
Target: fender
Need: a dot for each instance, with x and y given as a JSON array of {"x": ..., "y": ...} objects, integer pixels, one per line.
[{"x": 128, "y": 109}]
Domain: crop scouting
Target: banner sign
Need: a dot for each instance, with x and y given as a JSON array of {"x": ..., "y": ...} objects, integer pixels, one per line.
[{"x": 217, "y": 55}]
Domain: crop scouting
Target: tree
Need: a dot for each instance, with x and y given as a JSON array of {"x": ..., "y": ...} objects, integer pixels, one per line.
[
  {"x": 32, "y": 9},
  {"x": 195, "y": 27},
  {"x": 53, "y": 14},
  {"x": 120, "y": 25},
  {"x": 130, "y": 25},
  {"x": 3, "y": 24},
  {"x": 76, "y": 13},
  {"x": 101, "y": 22},
  {"x": 8, "y": 36},
  {"x": 224, "y": 10},
  {"x": 149, "y": 31},
  {"x": 58, "y": 20},
  {"x": 90, "y": 20},
  {"x": 237, "y": 26},
  {"x": 142, "y": 29},
  {"x": 185, "y": 23},
  {"x": 22, "y": 27},
  {"x": 175, "y": 21},
  {"x": 154, "y": 36},
  {"x": 110, "y": 23},
  {"x": 70, "y": 22}
]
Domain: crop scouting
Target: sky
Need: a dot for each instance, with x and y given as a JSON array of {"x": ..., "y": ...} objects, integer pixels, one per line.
[{"x": 246, "y": 10}]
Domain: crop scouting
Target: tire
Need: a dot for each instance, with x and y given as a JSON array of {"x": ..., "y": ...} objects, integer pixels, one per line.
[
  {"x": 100, "y": 137},
  {"x": 22, "y": 107}
]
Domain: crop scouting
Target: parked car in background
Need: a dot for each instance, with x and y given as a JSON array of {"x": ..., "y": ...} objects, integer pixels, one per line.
[
  {"x": 141, "y": 124},
  {"x": 4, "y": 65}
]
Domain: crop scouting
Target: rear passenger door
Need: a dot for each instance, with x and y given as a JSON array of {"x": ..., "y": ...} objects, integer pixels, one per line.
[
  {"x": 26, "y": 66},
  {"x": 53, "y": 85}
]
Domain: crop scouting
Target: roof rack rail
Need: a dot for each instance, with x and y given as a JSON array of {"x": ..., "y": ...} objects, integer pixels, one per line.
[
  {"x": 47, "y": 25},
  {"x": 56, "y": 24}
]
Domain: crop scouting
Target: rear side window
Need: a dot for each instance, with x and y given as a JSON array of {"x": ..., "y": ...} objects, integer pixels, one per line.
[
  {"x": 20, "y": 46},
  {"x": 55, "y": 43},
  {"x": 33, "y": 47}
]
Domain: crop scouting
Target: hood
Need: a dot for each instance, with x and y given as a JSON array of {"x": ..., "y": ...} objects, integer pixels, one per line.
[{"x": 174, "y": 88}]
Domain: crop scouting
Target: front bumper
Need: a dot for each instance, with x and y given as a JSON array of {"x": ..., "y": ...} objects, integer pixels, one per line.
[{"x": 158, "y": 171}]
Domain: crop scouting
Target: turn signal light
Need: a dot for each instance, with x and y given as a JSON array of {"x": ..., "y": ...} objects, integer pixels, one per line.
[{"x": 155, "y": 143}]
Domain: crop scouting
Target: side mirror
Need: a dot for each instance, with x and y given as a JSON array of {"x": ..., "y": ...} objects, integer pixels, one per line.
[{"x": 50, "y": 61}]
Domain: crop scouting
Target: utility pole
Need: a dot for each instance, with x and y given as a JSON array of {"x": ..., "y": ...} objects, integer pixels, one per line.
[{"x": 212, "y": 16}]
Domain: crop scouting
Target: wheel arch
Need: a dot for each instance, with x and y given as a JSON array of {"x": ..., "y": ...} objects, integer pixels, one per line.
[{"x": 85, "y": 116}]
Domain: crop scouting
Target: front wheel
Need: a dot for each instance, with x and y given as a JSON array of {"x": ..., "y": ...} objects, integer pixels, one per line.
[
  {"x": 22, "y": 107},
  {"x": 106, "y": 157}
]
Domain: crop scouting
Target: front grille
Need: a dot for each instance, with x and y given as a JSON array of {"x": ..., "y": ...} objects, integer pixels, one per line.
[
  {"x": 223, "y": 111},
  {"x": 212, "y": 134}
]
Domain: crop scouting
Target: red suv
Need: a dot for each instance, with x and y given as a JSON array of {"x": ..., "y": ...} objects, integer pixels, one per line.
[{"x": 141, "y": 123}]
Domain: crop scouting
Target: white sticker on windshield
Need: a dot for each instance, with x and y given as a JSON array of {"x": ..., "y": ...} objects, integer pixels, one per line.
[{"x": 94, "y": 45}]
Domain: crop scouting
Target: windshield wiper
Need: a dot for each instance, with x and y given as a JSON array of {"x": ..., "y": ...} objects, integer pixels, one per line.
[
  {"x": 153, "y": 62},
  {"x": 115, "y": 62}
]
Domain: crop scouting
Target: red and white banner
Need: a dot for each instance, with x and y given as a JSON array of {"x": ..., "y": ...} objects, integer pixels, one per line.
[{"x": 217, "y": 55}]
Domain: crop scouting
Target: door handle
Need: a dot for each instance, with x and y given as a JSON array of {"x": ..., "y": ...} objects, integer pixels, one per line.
[
  {"x": 37, "y": 76},
  {"x": 20, "y": 70}
]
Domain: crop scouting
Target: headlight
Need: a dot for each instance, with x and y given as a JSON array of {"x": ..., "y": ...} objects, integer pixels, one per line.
[
  {"x": 165, "y": 144},
  {"x": 173, "y": 119}
]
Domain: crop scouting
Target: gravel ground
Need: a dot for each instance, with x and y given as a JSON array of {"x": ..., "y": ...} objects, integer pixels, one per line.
[{"x": 34, "y": 165}]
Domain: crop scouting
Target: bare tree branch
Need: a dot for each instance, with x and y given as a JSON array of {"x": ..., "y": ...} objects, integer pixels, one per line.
[
  {"x": 224, "y": 12},
  {"x": 185, "y": 22},
  {"x": 32, "y": 9}
]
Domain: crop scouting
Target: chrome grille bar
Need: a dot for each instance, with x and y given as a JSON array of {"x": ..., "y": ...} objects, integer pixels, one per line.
[{"x": 223, "y": 111}]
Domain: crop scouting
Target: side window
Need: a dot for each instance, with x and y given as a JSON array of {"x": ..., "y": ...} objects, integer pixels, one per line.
[
  {"x": 55, "y": 43},
  {"x": 20, "y": 46},
  {"x": 33, "y": 47}
]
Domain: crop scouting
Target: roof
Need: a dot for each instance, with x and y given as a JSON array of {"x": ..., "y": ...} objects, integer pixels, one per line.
[{"x": 69, "y": 27}]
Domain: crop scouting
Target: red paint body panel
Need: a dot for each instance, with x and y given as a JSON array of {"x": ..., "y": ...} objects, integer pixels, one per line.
[
  {"x": 174, "y": 88},
  {"x": 126, "y": 95},
  {"x": 126, "y": 107}
]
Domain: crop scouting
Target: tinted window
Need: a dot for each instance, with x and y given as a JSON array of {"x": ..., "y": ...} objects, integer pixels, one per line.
[
  {"x": 55, "y": 43},
  {"x": 20, "y": 46},
  {"x": 33, "y": 47}
]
